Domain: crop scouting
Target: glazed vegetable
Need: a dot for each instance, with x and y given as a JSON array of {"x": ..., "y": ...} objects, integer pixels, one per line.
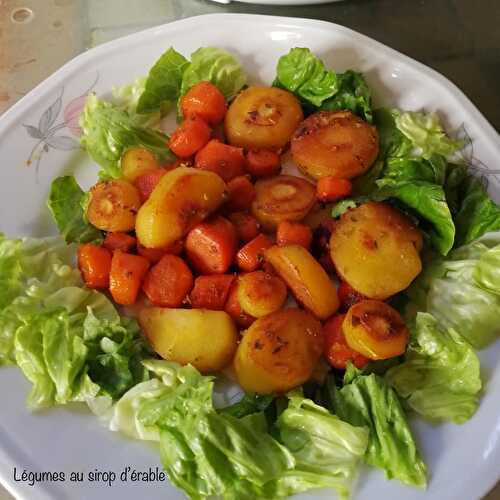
[
  {"x": 348, "y": 296},
  {"x": 119, "y": 241},
  {"x": 233, "y": 307},
  {"x": 211, "y": 246},
  {"x": 336, "y": 350},
  {"x": 154, "y": 255},
  {"x": 183, "y": 198},
  {"x": 146, "y": 183},
  {"x": 278, "y": 352},
  {"x": 136, "y": 162},
  {"x": 226, "y": 161},
  {"x": 294, "y": 233},
  {"x": 241, "y": 193},
  {"x": 113, "y": 205},
  {"x": 247, "y": 227},
  {"x": 332, "y": 189},
  {"x": 206, "y": 339},
  {"x": 168, "y": 282},
  {"x": 94, "y": 263},
  {"x": 260, "y": 293},
  {"x": 126, "y": 275},
  {"x": 307, "y": 280},
  {"x": 375, "y": 329},
  {"x": 249, "y": 258},
  {"x": 281, "y": 198},
  {"x": 263, "y": 162},
  {"x": 211, "y": 292},
  {"x": 189, "y": 137},
  {"x": 206, "y": 101},
  {"x": 262, "y": 118},
  {"x": 334, "y": 144},
  {"x": 375, "y": 248}
]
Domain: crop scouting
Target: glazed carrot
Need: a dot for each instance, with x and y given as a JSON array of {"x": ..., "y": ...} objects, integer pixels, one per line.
[
  {"x": 206, "y": 101},
  {"x": 154, "y": 255},
  {"x": 168, "y": 282},
  {"x": 331, "y": 188},
  {"x": 294, "y": 233},
  {"x": 211, "y": 246},
  {"x": 246, "y": 225},
  {"x": 119, "y": 241},
  {"x": 348, "y": 296},
  {"x": 263, "y": 162},
  {"x": 233, "y": 308},
  {"x": 226, "y": 161},
  {"x": 336, "y": 350},
  {"x": 189, "y": 137},
  {"x": 241, "y": 193},
  {"x": 94, "y": 263},
  {"x": 125, "y": 279},
  {"x": 145, "y": 183},
  {"x": 249, "y": 258},
  {"x": 211, "y": 292}
]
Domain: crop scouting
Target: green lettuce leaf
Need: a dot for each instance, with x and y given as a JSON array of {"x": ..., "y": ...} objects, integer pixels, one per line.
[
  {"x": 392, "y": 142},
  {"x": 108, "y": 131},
  {"x": 65, "y": 203},
  {"x": 440, "y": 377},
  {"x": 367, "y": 401},
  {"x": 249, "y": 404},
  {"x": 216, "y": 66},
  {"x": 163, "y": 84},
  {"x": 426, "y": 133},
  {"x": 305, "y": 75}
]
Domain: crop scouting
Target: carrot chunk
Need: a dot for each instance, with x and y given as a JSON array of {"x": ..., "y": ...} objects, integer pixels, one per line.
[
  {"x": 294, "y": 233},
  {"x": 206, "y": 101},
  {"x": 154, "y": 255},
  {"x": 249, "y": 258},
  {"x": 263, "y": 163},
  {"x": 211, "y": 292},
  {"x": 246, "y": 225},
  {"x": 125, "y": 279},
  {"x": 94, "y": 263},
  {"x": 145, "y": 183},
  {"x": 241, "y": 193},
  {"x": 189, "y": 137},
  {"x": 119, "y": 241},
  {"x": 332, "y": 188},
  {"x": 226, "y": 161}
]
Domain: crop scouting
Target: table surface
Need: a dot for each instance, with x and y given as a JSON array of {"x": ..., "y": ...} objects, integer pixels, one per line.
[{"x": 458, "y": 38}]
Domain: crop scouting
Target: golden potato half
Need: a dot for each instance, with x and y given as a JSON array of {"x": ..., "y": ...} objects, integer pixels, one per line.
[
  {"x": 375, "y": 248},
  {"x": 262, "y": 118},
  {"x": 279, "y": 351},
  {"x": 334, "y": 144}
]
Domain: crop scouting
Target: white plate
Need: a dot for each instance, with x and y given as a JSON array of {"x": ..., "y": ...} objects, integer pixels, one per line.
[{"x": 463, "y": 461}]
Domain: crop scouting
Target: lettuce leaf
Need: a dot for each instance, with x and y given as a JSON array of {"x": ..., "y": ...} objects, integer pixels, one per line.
[
  {"x": 163, "y": 84},
  {"x": 368, "y": 401},
  {"x": 108, "y": 131},
  {"x": 65, "y": 203},
  {"x": 392, "y": 142},
  {"x": 305, "y": 75},
  {"x": 440, "y": 377}
]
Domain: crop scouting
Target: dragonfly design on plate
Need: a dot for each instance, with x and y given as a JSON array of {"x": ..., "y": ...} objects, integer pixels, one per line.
[{"x": 51, "y": 135}]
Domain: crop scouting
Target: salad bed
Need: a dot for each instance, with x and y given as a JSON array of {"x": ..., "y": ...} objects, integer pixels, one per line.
[{"x": 71, "y": 343}]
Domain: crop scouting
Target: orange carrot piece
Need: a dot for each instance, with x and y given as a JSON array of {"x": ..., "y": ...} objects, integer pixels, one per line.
[
  {"x": 263, "y": 163},
  {"x": 331, "y": 189},
  {"x": 189, "y": 137},
  {"x": 206, "y": 101},
  {"x": 154, "y": 255},
  {"x": 168, "y": 282},
  {"x": 241, "y": 193},
  {"x": 294, "y": 233},
  {"x": 348, "y": 296},
  {"x": 211, "y": 246},
  {"x": 119, "y": 241},
  {"x": 211, "y": 292},
  {"x": 246, "y": 225},
  {"x": 249, "y": 258},
  {"x": 145, "y": 183},
  {"x": 94, "y": 263},
  {"x": 125, "y": 279},
  {"x": 233, "y": 308},
  {"x": 226, "y": 161},
  {"x": 336, "y": 350}
]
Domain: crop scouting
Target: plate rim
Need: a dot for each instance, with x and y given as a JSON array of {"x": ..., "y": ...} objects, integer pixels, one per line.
[{"x": 490, "y": 135}]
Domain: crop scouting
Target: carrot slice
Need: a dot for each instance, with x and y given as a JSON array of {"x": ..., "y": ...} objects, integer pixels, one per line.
[
  {"x": 263, "y": 162},
  {"x": 168, "y": 282},
  {"x": 211, "y": 292},
  {"x": 294, "y": 233},
  {"x": 119, "y": 241},
  {"x": 226, "y": 161},
  {"x": 332, "y": 188},
  {"x": 94, "y": 263},
  {"x": 125, "y": 279},
  {"x": 189, "y": 137},
  {"x": 206, "y": 101},
  {"x": 249, "y": 258},
  {"x": 241, "y": 193}
]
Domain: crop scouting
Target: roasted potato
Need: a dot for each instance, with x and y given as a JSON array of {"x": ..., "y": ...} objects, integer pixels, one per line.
[
  {"x": 183, "y": 197},
  {"x": 280, "y": 198},
  {"x": 260, "y": 293},
  {"x": 375, "y": 248},
  {"x": 138, "y": 161},
  {"x": 262, "y": 118},
  {"x": 278, "y": 352},
  {"x": 113, "y": 205},
  {"x": 334, "y": 144},
  {"x": 308, "y": 281},
  {"x": 206, "y": 339},
  {"x": 375, "y": 330}
]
